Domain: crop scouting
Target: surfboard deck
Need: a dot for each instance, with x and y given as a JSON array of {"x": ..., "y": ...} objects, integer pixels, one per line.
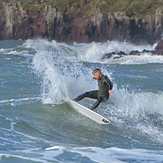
[{"x": 87, "y": 112}]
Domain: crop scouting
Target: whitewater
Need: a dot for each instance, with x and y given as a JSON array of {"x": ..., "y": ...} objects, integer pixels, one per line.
[{"x": 36, "y": 125}]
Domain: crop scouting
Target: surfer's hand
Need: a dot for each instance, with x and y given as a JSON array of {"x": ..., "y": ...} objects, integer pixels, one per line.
[{"x": 111, "y": 92}]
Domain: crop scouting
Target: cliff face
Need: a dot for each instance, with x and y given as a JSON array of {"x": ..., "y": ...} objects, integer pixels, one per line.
[{"x": 48, "y": 22}]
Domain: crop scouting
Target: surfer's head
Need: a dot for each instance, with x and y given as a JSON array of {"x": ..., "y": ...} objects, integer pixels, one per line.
[{"x": 97, "y": 73}]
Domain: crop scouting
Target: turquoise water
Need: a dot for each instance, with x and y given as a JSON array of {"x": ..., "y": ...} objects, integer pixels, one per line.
[{"x": 37, "y": 126}]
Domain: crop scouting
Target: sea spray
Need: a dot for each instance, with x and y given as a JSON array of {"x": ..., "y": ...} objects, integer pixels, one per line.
[
  {"x": 51, "y": 82},
  {"x": 138, "y": 103},
  {"x": 139, "y": 112},
  {"x": 61, "y": 77}
]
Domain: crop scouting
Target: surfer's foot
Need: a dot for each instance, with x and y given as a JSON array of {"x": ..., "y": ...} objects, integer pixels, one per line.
[
  {"x": 77, "y": 99},
  {"x": 93, "y": 108}
]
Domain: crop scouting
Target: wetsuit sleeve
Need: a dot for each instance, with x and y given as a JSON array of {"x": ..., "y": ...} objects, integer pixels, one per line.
[{"x": 107, "y": 80}]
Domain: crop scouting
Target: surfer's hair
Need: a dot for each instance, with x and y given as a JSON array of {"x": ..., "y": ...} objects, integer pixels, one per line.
[{"x": 96, "y": 70}]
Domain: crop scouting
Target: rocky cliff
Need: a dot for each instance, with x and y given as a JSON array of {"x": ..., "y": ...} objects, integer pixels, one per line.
[{"x": 48, "y": 22}]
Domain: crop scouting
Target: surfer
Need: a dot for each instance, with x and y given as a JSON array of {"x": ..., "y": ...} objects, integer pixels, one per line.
[{"x": 105, "y": 89}]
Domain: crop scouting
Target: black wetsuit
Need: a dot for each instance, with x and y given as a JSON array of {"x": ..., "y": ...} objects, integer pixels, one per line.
[{"x": 101, "y": 95}]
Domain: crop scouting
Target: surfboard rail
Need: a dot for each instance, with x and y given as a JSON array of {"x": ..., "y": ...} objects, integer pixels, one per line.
[{"x": 87, "y": 112}]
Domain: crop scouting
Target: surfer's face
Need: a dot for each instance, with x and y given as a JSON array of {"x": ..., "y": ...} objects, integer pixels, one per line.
[{"x": 97, "y": 75}]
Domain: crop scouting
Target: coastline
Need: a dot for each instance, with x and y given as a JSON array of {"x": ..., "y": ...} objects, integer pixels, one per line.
[{"x": 48, "y": 22}]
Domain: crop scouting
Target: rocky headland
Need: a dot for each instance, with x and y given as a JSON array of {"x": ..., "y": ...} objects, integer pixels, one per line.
[{"x": 86, "y": 23}]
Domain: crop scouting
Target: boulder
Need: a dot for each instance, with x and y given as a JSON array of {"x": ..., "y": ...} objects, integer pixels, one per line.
[
  {"x": 134, "y": 52},
  {"x": 108, "y": 55},
  {"x": 159, "y": 48}
]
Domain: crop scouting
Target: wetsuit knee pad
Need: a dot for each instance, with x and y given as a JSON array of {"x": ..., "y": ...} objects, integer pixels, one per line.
[
  {"x": 99, "y": 99},
  {"x": 97, "y": 103},
  {"x": 102, "y": 99}
]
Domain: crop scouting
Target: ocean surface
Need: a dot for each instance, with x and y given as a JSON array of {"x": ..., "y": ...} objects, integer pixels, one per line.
[{"x": 36, "y": 125}]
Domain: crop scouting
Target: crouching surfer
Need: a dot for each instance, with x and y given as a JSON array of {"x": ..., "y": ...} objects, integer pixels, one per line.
[{"x": 105, "y": 89}]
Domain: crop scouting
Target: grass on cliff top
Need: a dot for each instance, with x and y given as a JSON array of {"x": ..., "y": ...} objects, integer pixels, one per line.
[{"x": 132, "y": 7}]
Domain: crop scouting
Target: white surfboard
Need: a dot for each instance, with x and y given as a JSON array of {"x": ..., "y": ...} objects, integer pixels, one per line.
[{"x": 87, "y": 112}]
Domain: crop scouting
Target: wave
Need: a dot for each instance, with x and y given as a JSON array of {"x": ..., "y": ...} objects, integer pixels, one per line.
[
  {"x": 139, "y": 112},
  {"x": 143, "y": 58},
  {"x": 64, "y": 74},
  {"x": 15, "y": 102},
  {"x": 94, "y": 52},
  {"x": 133, "y": 103},
  {"x": 61, "y": 67},
  {"x": 112, "y": 154},
  {"x": 66, "y": 71},
  {"x": 93, "y": 154},
  {"x": 87, "y": 52},
  {"x": 12, "y": 48}
]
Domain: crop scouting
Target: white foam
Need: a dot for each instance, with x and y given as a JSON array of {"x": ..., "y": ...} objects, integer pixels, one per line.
[
  {"x": 138, "y": 103},
  {"x": 18, "y": 101},
  {"x": 94, "y": 52},
  {"x": 2, "y": 50},
  {"x": 141, "y": 59},
  {"x": 90, "y": 52},
  {"x": 113, "y": 154},
  {"x": 95, "y": 154},
  {"x": 60, "y": 73},
  {"x": 138, "y": 109},
  {"x": 40, "y": 44},
  {"x": 21, "y": 157},
  {"x": 43, "y": 64}
]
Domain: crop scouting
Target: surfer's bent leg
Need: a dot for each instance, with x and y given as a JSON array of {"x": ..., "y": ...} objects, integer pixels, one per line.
[
  {"x": 97, "y": 103},
  {"x": 91, "y": 94}
]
